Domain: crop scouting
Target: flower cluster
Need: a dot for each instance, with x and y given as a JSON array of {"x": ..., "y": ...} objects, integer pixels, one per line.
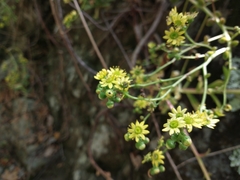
[
  {"x": 156, "y": 157},
  {"x": 179, "y": 22},
  {"x": 137, "y": 132},
  {"x": 181, "y": 119},
  {"x": 114, "y": 82}
]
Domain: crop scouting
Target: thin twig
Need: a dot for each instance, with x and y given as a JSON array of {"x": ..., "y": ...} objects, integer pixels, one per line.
[
  {"x": 43, "y": 24},
  {"x": 89, "y": 34},
  {"x": 106, "y": 175},
  {"x": 67, "y": 43},
  {"x": 200, "y": 161},
  {"x": 208, "y": 155},
  {"x": 117, "y": 41},
  {"x": 153, "y": 27}
]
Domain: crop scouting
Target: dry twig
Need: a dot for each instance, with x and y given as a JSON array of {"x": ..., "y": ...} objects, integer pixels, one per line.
[
  {"x": 89, "y": 34},
  {"x": 153, "y": 27}
]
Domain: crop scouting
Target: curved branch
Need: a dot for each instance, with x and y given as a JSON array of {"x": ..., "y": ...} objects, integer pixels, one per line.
[
  {"x": 66, "y": 40},
  {"x": 89, "y": 34},
  {"x": 153, "y": 27}
]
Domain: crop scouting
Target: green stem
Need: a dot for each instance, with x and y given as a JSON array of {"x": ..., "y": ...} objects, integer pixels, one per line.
[
  {"x": 205, "y": 85},
  {"x": 216, "y": 100},
  {"x": 214, "y": 55},
  {"x": 213, "y": 91},
  {"x": 171, "y": 62},
  {"x": 155, "y": 82},
  {"x": 195, "y": 43}
]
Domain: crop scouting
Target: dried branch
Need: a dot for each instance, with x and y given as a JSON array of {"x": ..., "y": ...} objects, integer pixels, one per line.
[
  {"x": 67, "y": 43},
  {"x": 106, "y": 175},
  {"x": 69, "y": 47},
  {"x": 153, "y": 27},
  {"x": 208, "y": 155},
  {"x": 117, "y": 40},
  {"x": 89, "y": 34}
]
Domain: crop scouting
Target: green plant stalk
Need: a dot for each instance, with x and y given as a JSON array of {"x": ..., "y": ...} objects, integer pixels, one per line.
[
  {"x": 170, "y": 62},
  {"x": 195, "y": 43},
  {"x": 205, "y": 88},
  {"x": 214, "y": 55},
  {"x": 184, "y": 66},
  {"x": 216, "y": 100},
  {"x": 155, "y": 82},
  {"x": 213, "y": 91}
]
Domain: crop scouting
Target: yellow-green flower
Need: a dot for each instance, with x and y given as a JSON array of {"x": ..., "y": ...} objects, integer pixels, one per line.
[
  {"x": 173, "y": 125},
  {"x": 157, "y": 158},
  {"x": 192, "y": 120},
  {"x": 137, "y": 131},
  {"x": 177, "y": 19},
  {"x": 173, "y": 12},
  {"x": 141, "y": 103},
  {"x": 122, "y": 83},
  {"x": 174, "y": 36},
  {"x": 211, "y": 122},
  {"x": 107, "y": 81},
  {"x": 177, "y": 113},
  {"x": 101, "y": 74},
  {"x": 207, "y": 120},
  {"x": 137, "y": 74},
  {"x": 70, "y": 18},
  {"x": 116, "y": 72},
  {"x": 113, "y": 78},
  {"x": 147, "y": 157},
  {"x": 137, "y": 71}
]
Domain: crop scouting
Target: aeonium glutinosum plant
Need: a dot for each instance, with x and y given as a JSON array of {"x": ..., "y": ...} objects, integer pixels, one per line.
[{"x": 115, "y": 85}]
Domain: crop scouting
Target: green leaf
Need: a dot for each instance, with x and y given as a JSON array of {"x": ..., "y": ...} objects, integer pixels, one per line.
[
  {"x": 226, "y": 72},
  {"x": 193, "y": 100},
  {"x": 216, "y": 84}
]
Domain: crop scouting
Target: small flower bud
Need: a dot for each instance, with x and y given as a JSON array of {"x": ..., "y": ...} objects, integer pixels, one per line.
[
  {"x": 140, "y": 145},
  {"x": 222, "y": 20},
  {"x": 222, "y": 40},
  {"x": 234, "y": 43},
  {"x": 151, "y": 45},
  {"x": 170, "y": 144},
  {"x": 110, "y": 104},
  {"x": 208, "y": 54},
  {"x": 182, "y": 147},
  {"x": 227, "y": 107},
  {"x": 102, "y": 95},
  {"x": 146, "y": 140},
  {"x": 154, "y": 170},
  {"x": 162, "y": 168},
  {"x": 126, "y": 137},
  {"x": 98, "y": 90},
  {"x": 210, "y": 22},
  {"x": 187, "y": 141},
  {"x": 205, "y": 39},
  {"x": 226, "y": 55},
  {"x": 117, "y": 99},
  {"x": 110, "y": 93}
]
